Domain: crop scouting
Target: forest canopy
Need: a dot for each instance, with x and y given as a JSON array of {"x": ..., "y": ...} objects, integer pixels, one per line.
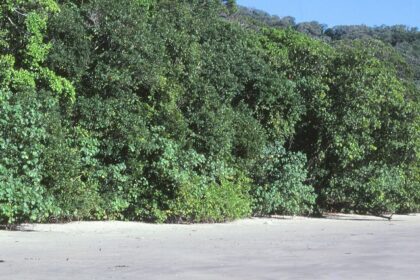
[{"x": 201, "y": 111}]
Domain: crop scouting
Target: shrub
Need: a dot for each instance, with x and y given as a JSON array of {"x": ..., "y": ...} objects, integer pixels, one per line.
[
  {"x": 411, "y": 195},
  {"x": 280, "y": 186},
  {"x": 372, "y": 189},
  {"x": 201, "y": 201},
  {"x": 23, "y": 201}
]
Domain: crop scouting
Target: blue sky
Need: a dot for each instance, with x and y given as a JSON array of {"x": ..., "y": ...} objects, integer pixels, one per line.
[{"x": 343, "y": 12}]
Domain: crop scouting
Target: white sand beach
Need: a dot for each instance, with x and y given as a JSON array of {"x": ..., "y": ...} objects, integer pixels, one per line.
[{"x": 337, "y": 247}]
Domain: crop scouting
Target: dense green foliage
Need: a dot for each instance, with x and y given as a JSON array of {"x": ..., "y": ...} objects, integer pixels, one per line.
[
  {"x": 279, "y": 178},
  {"x": 179, "y": 112},
  {"x": 405, "y": 40}
]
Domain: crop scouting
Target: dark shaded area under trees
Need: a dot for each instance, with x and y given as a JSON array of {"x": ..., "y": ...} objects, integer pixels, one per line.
[{"x": 201, "y": 111}]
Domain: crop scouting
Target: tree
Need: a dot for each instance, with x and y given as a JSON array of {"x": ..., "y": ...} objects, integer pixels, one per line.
[{"x": 30, "y": 93}]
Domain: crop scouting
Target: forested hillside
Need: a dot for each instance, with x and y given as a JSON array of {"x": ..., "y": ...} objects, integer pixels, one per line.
[
  {"x": 194, "y": 111},
  {"x": 405, "y": 40}
]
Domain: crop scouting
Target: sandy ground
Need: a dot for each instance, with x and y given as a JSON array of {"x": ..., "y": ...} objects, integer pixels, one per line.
[{"x": 339, "y": 247}]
